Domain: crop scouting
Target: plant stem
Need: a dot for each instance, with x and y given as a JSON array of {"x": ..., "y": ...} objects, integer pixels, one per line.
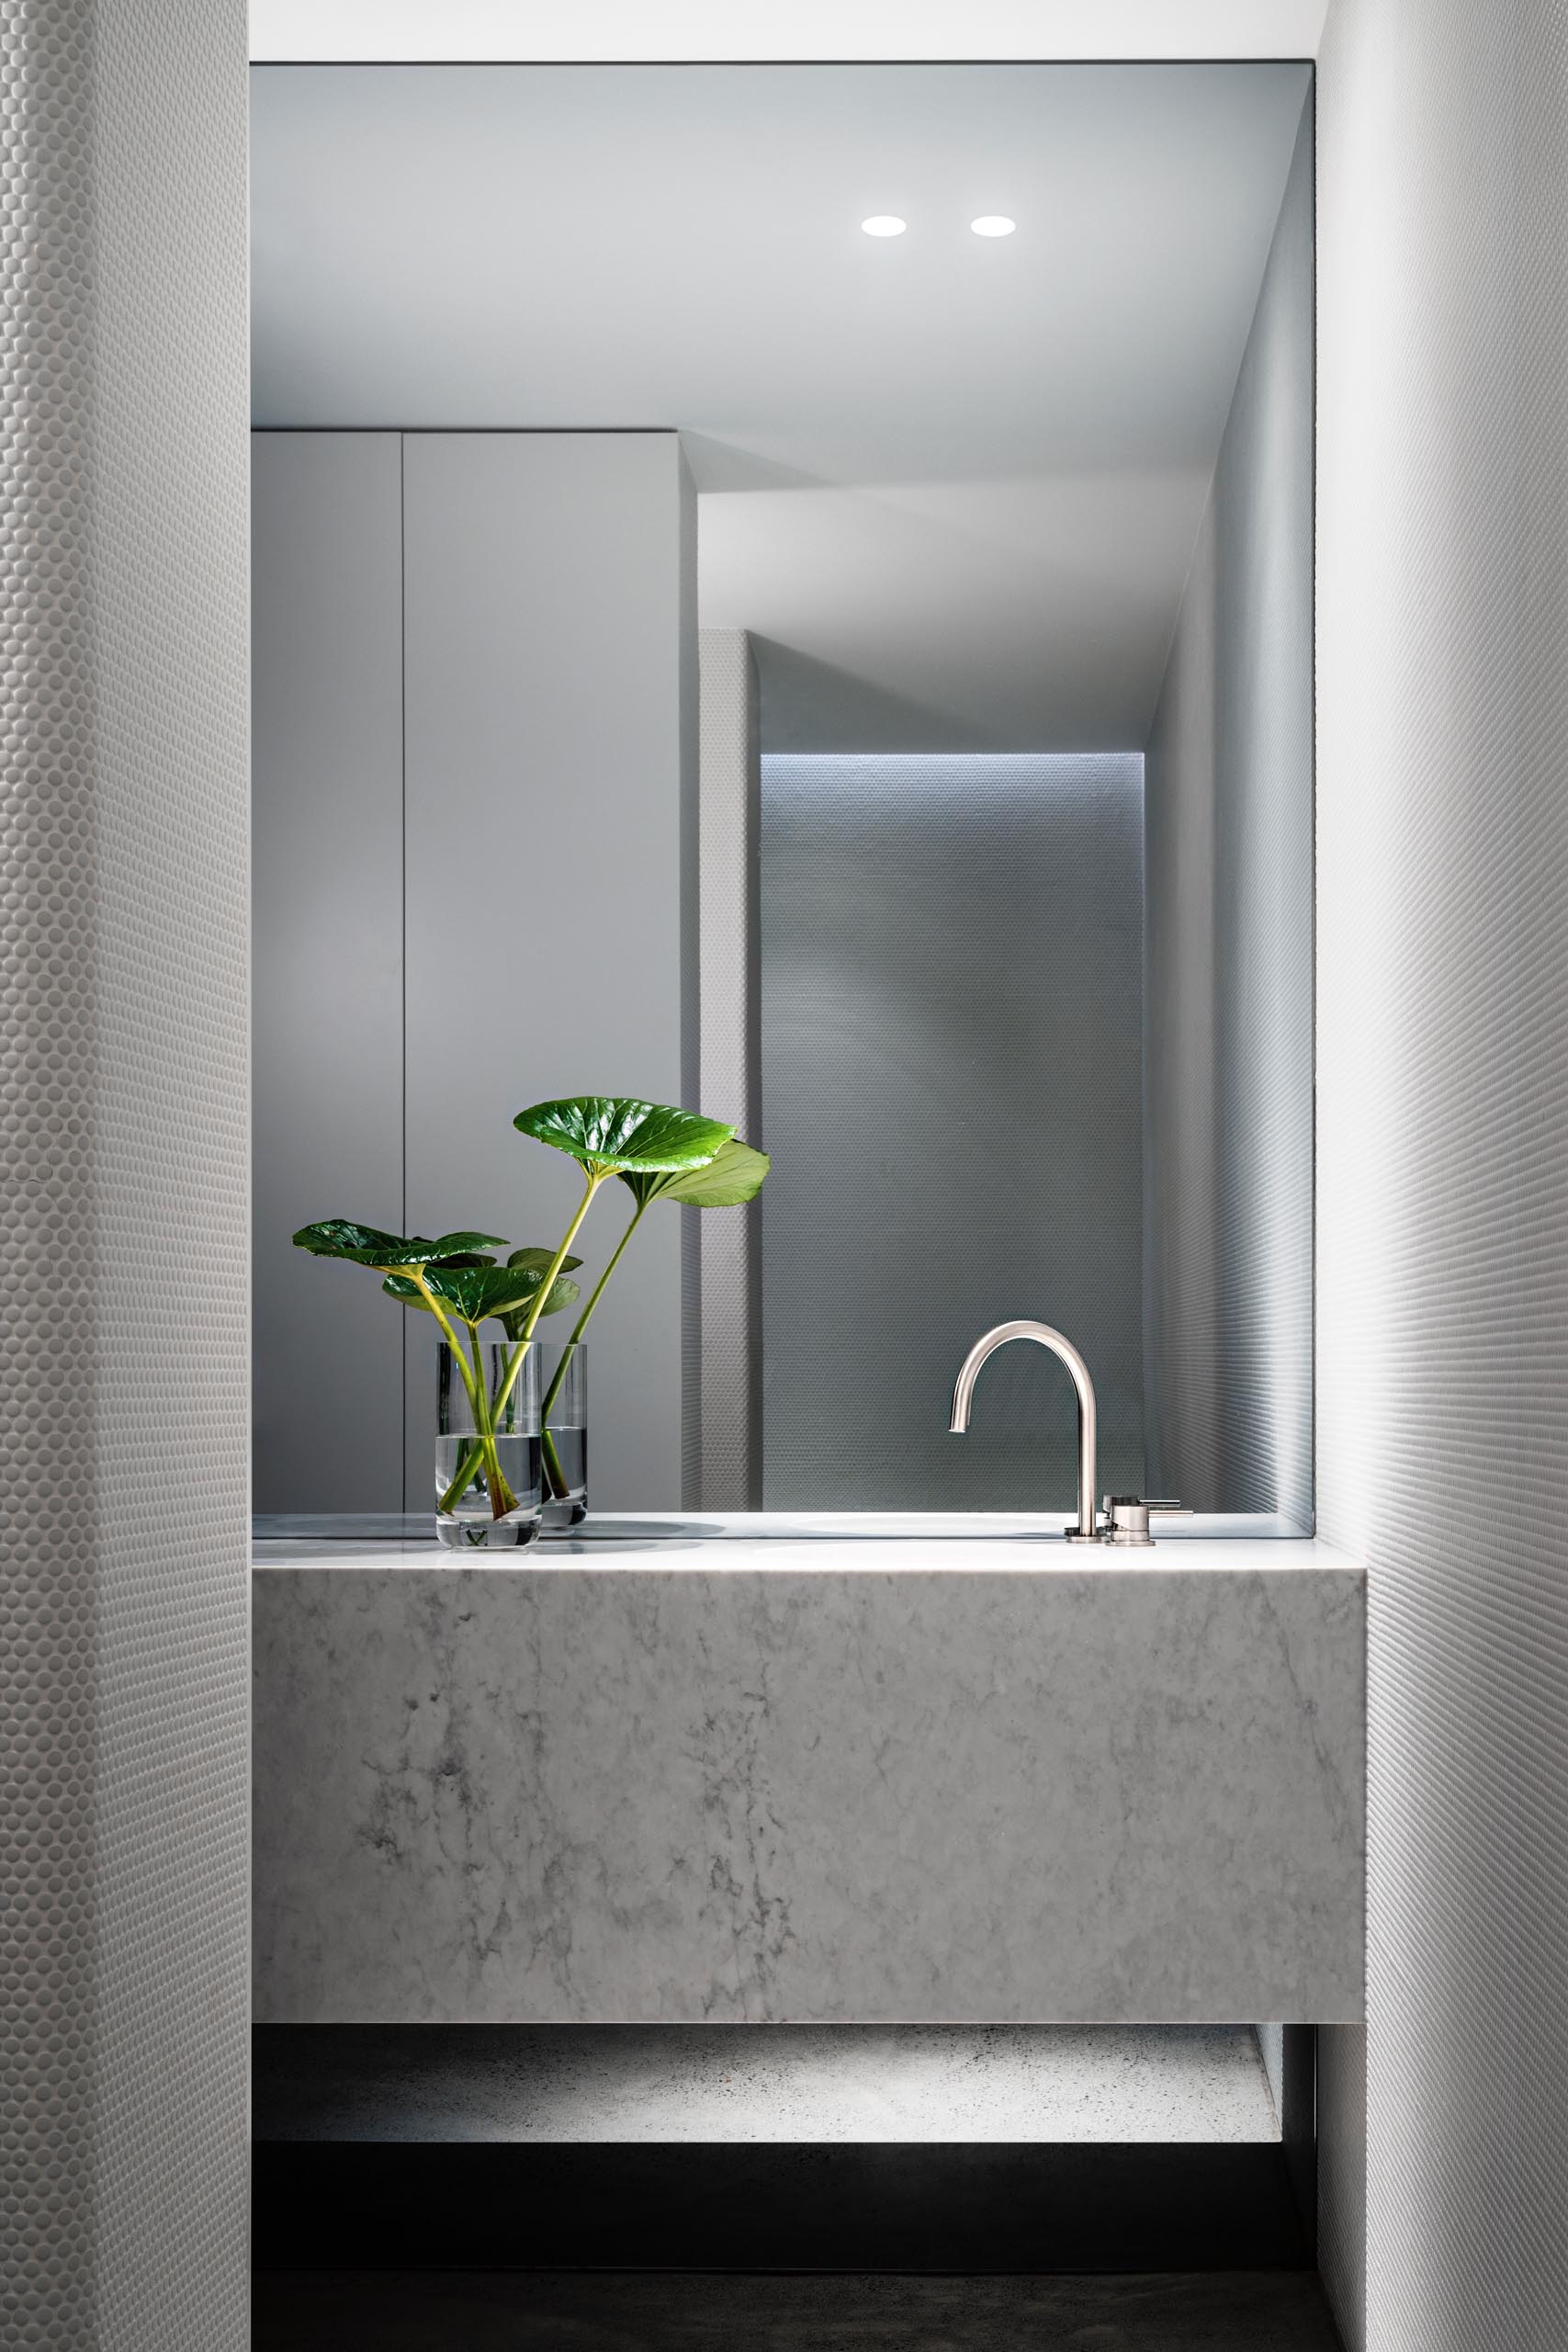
[
  {"x": 473, "y": 1382},
  {"x": 463, "y": 1480},
  {"x": 491, "y": 1414},
  {"x": 502, "y": 1499},
  {"x": 546, "y": 1287},
  {"x": 595, "y": 1177},
  {"x": 585, "y": 1317},
  {"x": 447, "y": 1332},
  {"x": 554, "y": 1470}
]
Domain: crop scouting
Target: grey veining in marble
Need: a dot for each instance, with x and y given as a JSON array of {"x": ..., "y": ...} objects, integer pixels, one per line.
[
  {"x": 1279, "y": 2311},
  {"x": 821, "y": 1783},
  {"x": 821, "y": 2085}
]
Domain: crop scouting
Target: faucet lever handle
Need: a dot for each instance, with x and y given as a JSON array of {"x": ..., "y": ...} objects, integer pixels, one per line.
[{"x": 1127, "y": 1519}]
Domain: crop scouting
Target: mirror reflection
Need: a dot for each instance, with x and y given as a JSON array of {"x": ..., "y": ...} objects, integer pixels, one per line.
[{"x": 788, "y": 591}]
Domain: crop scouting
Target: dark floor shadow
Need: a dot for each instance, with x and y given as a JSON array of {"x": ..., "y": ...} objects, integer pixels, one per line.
[{"x": 1240, "y": 2312}]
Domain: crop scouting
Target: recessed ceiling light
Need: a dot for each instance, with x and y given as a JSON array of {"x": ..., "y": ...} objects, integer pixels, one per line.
[
  {"x": 884, "y": 224},
  {"x": 993, "y": 224}
]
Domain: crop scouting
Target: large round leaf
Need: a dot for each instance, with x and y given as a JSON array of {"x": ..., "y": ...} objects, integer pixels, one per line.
[
  {"x": 475, "y": 1294},
  {"x": 608, "y": 1132},
  {"x": 367, "y": 1245},
  {"x": 364, "y": 1245},
  {"x": 731, "y": 1178}
]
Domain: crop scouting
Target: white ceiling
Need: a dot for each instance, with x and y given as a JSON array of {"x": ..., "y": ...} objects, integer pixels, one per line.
[
  {"x": 767, "y": 29},
  {"x": 951, "y": 484}
]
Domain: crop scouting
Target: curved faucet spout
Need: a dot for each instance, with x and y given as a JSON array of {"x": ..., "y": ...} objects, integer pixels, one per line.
[{"x": 963, "y": 1395}]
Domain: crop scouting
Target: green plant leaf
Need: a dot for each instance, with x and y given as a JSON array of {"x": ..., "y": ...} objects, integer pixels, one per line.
[
  {"x": 364, "y": 1245},
  {"x": 729, "y": 1180},
  {"x": 475, "y": 1294},
  {"x": 539, "y": 1261},
  {"x": 562, "y": 1294},
  {"x": 607, "y": 1133},
  {"x": 453, "y": 1245}
]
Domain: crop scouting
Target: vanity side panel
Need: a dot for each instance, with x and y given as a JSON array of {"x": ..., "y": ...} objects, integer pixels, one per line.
[{"x": 587, "y": 1795}]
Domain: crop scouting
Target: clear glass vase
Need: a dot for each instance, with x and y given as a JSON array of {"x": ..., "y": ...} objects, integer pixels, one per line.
[
  {"x": 487, "y": 1446},
  {"x": 563, "y": 1389}
]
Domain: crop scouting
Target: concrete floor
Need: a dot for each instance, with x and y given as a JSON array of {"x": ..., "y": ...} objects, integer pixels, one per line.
[
  {"x": 822, "y": 2085},
  {"x": 1279, "y": 2311}
]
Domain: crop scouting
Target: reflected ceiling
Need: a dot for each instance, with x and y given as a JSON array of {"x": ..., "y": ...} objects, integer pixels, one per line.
[{"x": 951, "y": 483}]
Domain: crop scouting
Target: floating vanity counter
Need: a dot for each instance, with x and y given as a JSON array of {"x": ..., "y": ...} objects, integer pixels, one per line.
[{"x": 765, "y": 1771}]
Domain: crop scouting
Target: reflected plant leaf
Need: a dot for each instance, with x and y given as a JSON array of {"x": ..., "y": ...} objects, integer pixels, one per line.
[{"x": 608, "y": 1133}]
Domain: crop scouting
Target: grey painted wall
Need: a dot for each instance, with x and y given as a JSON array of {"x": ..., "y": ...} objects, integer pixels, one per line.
[
  {"x": 1443, "y": 1207},
  {"x": 477, "y": 764},
  {"x": 1228, "y": 967},
  {"x": 952, "y": 1001},
  {"x": 123, "y": 1180},
  {"x": 327, "y": 895}
]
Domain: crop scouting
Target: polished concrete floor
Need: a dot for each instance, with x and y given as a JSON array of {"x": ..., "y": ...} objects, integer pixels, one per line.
[{"x": 1279, "y": 2311}]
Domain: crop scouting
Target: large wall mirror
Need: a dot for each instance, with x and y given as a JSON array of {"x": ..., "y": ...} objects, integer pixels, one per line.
[{"x": 788, "y": 590}]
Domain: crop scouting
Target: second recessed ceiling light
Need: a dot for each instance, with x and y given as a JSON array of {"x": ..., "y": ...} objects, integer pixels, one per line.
[
  {"x": 993, "y": 224},
  {"x": 883, "y": 224}
]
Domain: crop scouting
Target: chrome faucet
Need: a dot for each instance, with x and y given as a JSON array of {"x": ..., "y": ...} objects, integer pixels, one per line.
[{"x": 1087, "y": 1530}]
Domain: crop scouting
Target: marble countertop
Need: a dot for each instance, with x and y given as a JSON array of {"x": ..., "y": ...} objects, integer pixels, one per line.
[
  {"x": 808, "y": 1771},
  {"x": 825, "y": 1542}
]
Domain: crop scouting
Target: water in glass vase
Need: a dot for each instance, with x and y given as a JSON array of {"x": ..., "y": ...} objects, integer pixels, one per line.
[
  {"x": 565, "y": 1488},
  {"x": 469, "y": 1522}
]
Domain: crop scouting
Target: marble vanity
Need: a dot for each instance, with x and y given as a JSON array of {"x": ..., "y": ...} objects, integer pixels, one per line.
[{"x": 770, "y": 1769}]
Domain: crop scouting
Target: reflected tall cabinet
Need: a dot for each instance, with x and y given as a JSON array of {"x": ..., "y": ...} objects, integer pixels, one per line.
[{"x": 475, "y": 765}]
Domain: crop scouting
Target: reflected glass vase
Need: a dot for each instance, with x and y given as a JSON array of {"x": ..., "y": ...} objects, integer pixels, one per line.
[
  {"x": 487, "y": 1447},
  {"x": 563, "y": 1388}
]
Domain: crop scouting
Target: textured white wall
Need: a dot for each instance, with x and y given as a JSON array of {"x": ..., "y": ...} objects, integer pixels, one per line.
[
  {"x": 1228, "y": 947},
  {"x": 1443, "y": 1080},
  {"x": 123, "y": 1176}
]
